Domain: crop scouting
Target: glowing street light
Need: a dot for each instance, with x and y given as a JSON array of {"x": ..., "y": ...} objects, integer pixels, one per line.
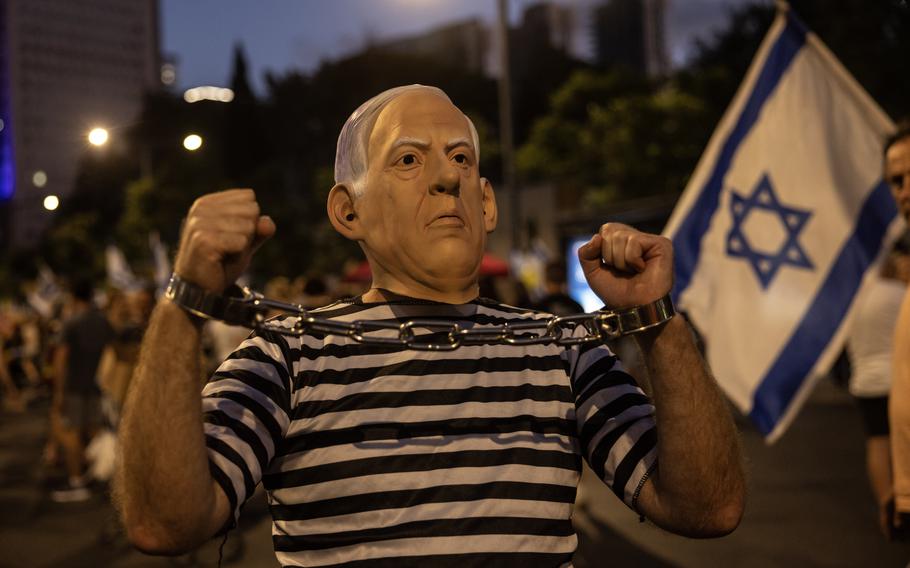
[
  {"x": 51, "y": 202},
  {"x": 39, "y": 178},
  {"x": 192, "y": 142},
  {"x": 208, "y": 93},
  {"x": 97, "y": 137}
]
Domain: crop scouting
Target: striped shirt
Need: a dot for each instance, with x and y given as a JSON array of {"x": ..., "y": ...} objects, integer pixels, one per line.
[{"x": 392, "y": 457}]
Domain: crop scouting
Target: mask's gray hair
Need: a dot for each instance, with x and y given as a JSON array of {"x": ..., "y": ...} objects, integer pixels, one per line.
[{"x": 351, "y": 159}]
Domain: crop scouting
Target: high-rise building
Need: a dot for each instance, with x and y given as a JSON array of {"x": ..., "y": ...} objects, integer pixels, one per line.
[
  {"x": 630, "y": 34},
  {"x": 462, "y": 44},
  {"x": 66, "y": 67}
]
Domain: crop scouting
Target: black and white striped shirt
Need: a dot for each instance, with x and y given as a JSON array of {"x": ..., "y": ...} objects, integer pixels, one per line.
[{"x": 390, "y": 457}]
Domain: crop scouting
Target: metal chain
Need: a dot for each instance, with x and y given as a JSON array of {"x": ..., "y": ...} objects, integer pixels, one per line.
[{"x": 599, "y": 326}]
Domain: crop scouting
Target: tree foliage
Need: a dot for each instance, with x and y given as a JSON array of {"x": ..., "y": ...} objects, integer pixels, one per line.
[{"x": 609, "y": 137}]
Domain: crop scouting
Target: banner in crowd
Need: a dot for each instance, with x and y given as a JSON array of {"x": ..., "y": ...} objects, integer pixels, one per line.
[{"x": 784, "y": 216}]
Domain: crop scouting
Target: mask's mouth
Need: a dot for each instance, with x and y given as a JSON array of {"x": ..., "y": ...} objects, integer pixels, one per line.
[{"x": 449, "y": 217}]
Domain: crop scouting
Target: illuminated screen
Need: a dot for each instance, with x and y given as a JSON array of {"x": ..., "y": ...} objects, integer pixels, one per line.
[
  {"x": 7, "y": 171},
  {"x": 578, "y": 286}
]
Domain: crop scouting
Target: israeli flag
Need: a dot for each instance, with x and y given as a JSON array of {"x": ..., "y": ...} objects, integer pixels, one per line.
[{"x": 784, "y": 216}]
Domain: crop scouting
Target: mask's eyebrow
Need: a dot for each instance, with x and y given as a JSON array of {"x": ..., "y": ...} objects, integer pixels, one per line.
[
  {"x": 456, "y": 142},
  {"x": 409, "y": 141}
]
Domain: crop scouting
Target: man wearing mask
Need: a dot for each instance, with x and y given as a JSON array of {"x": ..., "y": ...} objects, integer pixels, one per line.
[{"x": 377, "y": 455}]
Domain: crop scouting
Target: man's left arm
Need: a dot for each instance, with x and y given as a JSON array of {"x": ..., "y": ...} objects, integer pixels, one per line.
[{"x": 698, "y": 486}]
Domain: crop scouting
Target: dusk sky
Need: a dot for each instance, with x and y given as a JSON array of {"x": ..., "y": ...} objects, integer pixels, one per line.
[{"x": 282, "y": 35}]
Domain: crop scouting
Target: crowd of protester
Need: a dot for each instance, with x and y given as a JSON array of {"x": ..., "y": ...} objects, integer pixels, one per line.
[
  {"x": 47, "y": 352},
  {"x": 72, "y": 356}
]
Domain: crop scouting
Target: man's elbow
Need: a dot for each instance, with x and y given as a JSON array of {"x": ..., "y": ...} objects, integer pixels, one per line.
[
  {"x": 705, "y": 519},
  {"x": 725, "y": 519},
  {"x": 159, "y": 541},
  {"x": 718, "y": 519}
]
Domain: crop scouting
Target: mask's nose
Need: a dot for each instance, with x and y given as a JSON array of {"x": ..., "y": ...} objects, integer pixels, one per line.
[{"x": 447, "y": 181}]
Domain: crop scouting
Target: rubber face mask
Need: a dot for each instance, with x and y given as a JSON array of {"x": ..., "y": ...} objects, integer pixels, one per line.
[{"x": 425, "y": 210}]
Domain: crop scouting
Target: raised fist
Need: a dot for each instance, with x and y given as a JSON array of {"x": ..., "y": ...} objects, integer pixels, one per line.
[
  {"x": 220, "y": 235},
  {"x": 626, "y": 267}
]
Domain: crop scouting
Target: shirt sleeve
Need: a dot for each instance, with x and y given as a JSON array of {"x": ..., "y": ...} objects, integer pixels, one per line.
[
  {"x": 245, "y": 408},
  {"x": 615, "y": 419}
]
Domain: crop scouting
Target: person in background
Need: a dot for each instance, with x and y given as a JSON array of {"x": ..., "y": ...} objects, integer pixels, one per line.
[
  {"x": 128, "y": 315},
  {"x": 869, "y": 348},
  {"x": 315, "y": 293},
  {"x": 13, "y": 400},
  {"x": 77, "y": 398},
  {"x": 557, "y": 301},
  {"x": 897, "y": 176}
]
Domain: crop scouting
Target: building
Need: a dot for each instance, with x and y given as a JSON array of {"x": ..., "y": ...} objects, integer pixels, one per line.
[
  {"x": 463, "y": 44},
  {"x": 66, "y": 66},
  {"x": 631, "y": 34}
]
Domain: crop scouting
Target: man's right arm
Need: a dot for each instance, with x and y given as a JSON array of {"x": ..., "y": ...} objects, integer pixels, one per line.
[
  {"x": 165, "y": 491},
  {"x": 167, "y": 497}
]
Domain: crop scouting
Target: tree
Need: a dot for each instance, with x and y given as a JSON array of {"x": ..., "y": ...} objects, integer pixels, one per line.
[{"x": 610, "y": 137}]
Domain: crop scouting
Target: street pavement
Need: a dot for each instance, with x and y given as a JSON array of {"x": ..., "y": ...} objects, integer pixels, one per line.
[{"x": 809, "y": 505}]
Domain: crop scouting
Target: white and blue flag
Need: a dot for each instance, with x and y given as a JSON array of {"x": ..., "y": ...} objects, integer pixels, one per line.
[
  {"x": 119, "y": 273},
  {"x": 784, "y": 216}
]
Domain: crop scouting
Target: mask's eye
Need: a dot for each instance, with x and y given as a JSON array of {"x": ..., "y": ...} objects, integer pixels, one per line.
[{"x": 407, "y": 160}]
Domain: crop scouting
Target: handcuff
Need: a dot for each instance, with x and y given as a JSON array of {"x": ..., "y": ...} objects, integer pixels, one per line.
[{"x": 244, "y": 307}]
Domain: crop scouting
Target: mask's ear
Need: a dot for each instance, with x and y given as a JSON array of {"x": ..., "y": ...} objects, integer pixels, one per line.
[
  {"x": 490, "y": 214},
  {"x": 340, "y": 208}
]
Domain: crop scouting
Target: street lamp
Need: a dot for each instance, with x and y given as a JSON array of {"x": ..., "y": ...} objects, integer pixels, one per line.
[
  {"x": 51, "y": 202},
  {"x": 97, "y": 136},
  {"x": 39, "y": 178},
  {"x": 192, "y": 142},
  {"x": 208, "y": 93},
  {"x": 505, "y": 123}
]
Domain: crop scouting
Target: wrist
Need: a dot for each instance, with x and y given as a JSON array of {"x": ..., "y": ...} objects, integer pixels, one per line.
[
  {"x": 173, "y": 310},
  {"x": 647, "y": 338}
]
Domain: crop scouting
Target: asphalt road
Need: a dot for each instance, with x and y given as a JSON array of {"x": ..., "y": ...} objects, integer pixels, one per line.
[{"x": 809, "y": 505}]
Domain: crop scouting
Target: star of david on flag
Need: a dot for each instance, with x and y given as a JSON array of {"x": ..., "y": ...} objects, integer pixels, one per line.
[
  {"x": 781, "y": 221},
  {"x": 766, "y": 264}
]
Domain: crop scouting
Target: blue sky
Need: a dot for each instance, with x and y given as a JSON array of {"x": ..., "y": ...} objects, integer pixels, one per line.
[{"x": 297, "y": 34}]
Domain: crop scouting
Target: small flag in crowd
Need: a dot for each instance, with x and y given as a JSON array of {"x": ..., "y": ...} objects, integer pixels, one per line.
[
  {"x": 161, "y": 261},
  {"x": 784, "y": 216},
  {"x": 119, "y": 273},
  {"x": 45, "y": 293}
]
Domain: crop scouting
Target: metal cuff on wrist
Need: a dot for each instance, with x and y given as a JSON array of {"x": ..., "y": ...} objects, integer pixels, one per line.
[
  {"x": 201, "y": 303},
  {"x": 624, "y": 321}
]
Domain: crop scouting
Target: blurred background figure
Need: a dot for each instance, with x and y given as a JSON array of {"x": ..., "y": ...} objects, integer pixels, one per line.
[
  {"x": 19, "y": 348},
  {"x": 315, "y": 293},
  {"x": 76, "y": 408},
  {"x": 897, "y": 176},
  {"x": 128, "y": 315},
  {"x": 869, "y": 349},
  {"x": 556, "y": 300}
]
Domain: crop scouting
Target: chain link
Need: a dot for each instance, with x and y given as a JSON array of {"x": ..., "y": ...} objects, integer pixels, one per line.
[{"x": 599, "y": 327}]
